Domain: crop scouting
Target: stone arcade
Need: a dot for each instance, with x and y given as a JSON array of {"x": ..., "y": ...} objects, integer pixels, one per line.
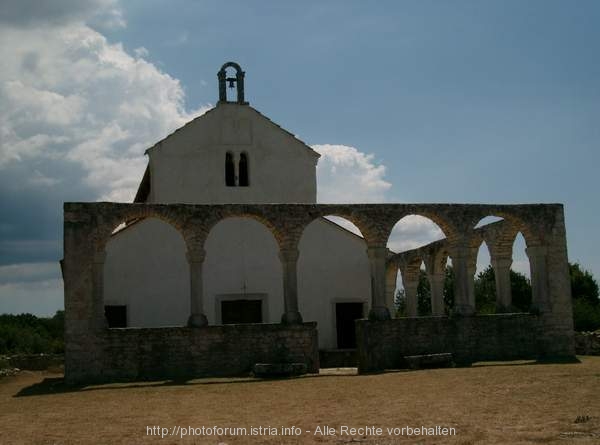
[{"x": 199, "y": 344}]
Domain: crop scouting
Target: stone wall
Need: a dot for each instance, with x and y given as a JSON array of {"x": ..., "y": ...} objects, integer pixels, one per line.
[
  {"x": 89, "y": 348},
  {"x": 587, "y": 343},
  {"x": 384, "y": 344},
  {"x": 180, "y": 352},
  {"x": 35, "y": 362}
]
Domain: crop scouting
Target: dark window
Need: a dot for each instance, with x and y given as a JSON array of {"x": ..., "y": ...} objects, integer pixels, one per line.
[
  {"x": 346, "y": 314},
  {"x": 241, "y": 311},
  {"x": 116, "y": 316},
  {"x": 244, "y": 170},
  {"x": 229, "y": 170}
]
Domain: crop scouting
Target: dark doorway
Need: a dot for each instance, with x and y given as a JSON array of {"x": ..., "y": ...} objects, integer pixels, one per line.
[
  {"x": 241, "y": 311},
  {"x": 116, "y": 316},
  {"x": 345, "y": 314}
]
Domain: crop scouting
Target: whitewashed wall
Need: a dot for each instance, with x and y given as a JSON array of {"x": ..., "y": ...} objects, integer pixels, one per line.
[
  {"x": 189, "y": 165},
  {"x": 146, "y": 270},
  {"x": 146, "y": 267}
]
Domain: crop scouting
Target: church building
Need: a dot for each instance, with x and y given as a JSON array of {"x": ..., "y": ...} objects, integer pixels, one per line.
[{"x": 233, "y": 154}]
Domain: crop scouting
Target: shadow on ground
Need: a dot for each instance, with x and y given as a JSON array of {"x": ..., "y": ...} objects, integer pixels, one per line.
[{"x": 57, "y": 385}]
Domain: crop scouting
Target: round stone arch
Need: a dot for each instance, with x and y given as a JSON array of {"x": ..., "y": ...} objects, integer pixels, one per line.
[
  {"x": 216, "y": 217},
  {"x": 352, "y": 213},
  {"x": 107, "y": 220},
  {"x": 241, "y": 260},
  {"x": 514, "y": 223},
  {"x": 104, "y": 219},
  {"x": 447, "y": 228}
]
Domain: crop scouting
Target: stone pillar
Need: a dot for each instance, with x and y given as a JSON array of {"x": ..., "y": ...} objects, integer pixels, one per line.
[
  {"x": 539, "y": 278},
  {"x": 501, "y": 267},
  {"x": 391, "y": 274},
  {"x": 236, "y": 169},
  {"x": 436, "y": 285},
  {"x": 99, "y": 319},
  {"x": 471, "y": 271},
  {"x": 197, "y": 317},
  {"x": 410, "y": 292},
  {"x": 377, "y": 258},
  {"x": 289, "y": 263},
  {"x": 463, "y": 281}
]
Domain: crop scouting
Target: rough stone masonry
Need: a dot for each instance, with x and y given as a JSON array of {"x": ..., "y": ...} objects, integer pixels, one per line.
[{"x": 94, "y": 353}]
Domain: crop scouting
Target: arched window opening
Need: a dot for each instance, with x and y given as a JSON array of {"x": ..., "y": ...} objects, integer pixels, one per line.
[
  {"x": 229, "y": 170},
  {"x": 485, "y": 282},
  {"x": 487, "y": 220},
  {"x": 410, "y": 234},
  {"x": 520, "y": 276},
  {"x": 244, "y": 180}
]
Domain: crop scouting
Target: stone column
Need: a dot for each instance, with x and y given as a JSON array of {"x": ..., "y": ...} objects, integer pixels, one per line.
[
  {"x": 289, "y": 263},
  {"x": 197, "y": 317},
  {"x": 463, "y": 281},
  {"x": 539, "y": 278},
  {"x": 436, "y": 284},
  {"x": 501, "y": 267},
  {"x": 410, "y": 292},
  {"x": 99, "y": 320},
  {"x": 471, "y": 271},
  {"x": 377, "y": 258},
  {"x": 236, "y": 169},
  {"x": 391, "y": 274}
]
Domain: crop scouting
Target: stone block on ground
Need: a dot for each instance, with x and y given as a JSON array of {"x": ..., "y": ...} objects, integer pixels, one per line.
[{"x": 268, "y": 370}]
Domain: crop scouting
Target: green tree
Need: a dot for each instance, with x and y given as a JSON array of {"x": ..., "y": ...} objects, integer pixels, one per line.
[
  {"x": 485, "y": 291},
  {"x": 26, "y": 333},
  {"x": 583, "y": 285},
  {"x": 586, "y": 301}
]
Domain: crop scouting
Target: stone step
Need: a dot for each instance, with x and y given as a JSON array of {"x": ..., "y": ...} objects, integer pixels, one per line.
[
  {"x": 338, "y": 358},
  {"x": 441, "y": 360}
]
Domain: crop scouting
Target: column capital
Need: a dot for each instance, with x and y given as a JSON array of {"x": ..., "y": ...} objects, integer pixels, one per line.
[
  {"x": 289, "y": 255},
  {"x": 377, "y": 252},
  {"x": 411, "y": 284},
  {"x": 463, "y": 251},
  {"x": 501, "y": 262},
  {"x": 439, "y": 276},
  {"x": 196, "y": 256},
  {"x": 536, "y": 251}
]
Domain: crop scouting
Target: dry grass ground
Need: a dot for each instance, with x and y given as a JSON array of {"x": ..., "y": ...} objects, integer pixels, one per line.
[{"x": 492, "y": 403}]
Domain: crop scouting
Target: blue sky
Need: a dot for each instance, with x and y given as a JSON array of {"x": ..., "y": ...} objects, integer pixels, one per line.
[{"x": 432, "y": 101}]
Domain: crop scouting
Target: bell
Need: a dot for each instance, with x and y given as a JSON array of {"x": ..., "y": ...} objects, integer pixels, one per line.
[{"x": 231, "y": 82}]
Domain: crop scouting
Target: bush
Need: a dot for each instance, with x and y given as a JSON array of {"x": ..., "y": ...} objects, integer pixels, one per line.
[
  {"x": 586, "y": 315},
  {"x": 28, "y": 334}
]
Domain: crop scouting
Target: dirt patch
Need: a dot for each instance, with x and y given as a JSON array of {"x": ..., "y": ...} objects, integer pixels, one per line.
[{"x": 495, "y": 403}]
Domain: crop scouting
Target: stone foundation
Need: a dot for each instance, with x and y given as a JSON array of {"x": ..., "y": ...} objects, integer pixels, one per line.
[
  {"x": 384, "y": 344},
  {"x": 587, "y": 343},
  {"x": 181, "y": 352}
]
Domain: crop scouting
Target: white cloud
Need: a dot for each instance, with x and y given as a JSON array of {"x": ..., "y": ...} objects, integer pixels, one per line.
[
  {"x": 141, "y": 52},
  {"x": 70, "y": 95},
  {"x": 345, "y": 174},
  {"x": 414, "y": 231}
]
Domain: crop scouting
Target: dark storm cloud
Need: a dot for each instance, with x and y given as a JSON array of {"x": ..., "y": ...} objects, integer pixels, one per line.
[{"x": 56, "y": 12}]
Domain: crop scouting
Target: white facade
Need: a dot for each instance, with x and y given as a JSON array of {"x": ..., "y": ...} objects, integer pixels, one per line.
[{"x": 146, "y": 268}]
